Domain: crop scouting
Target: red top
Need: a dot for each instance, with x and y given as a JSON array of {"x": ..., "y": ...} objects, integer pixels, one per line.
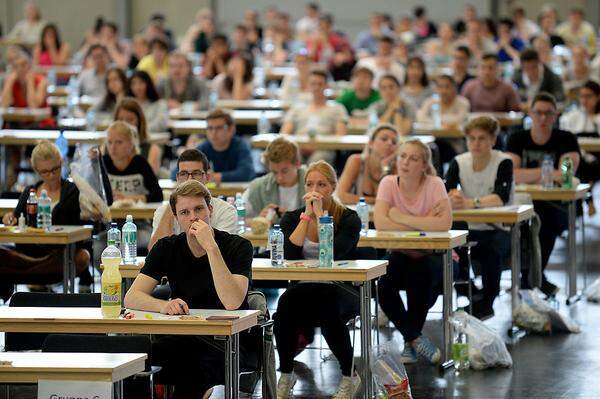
[{"x": 20, "y": 95}]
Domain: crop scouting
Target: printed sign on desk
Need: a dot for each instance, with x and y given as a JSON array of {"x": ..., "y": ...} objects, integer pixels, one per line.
[{"x": 48, "y": 389}]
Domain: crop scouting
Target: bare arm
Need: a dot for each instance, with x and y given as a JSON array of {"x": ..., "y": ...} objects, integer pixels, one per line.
[
  {"x": 139, "y": 297},
  {"x": 7, "y": 96},
  {"x": 439, "y": 219},
  {"x": 164, "y": 228},
  {"x": 340, "y": 128},
  {"x": 36, "y": 95},
  {"x": 382, "y": 220},
  {"x": 349, "y": 175},
  {"x": 524, "y": 175},
  {"x": 287, "y": 128},
  {"x": 155, "y": 157}
]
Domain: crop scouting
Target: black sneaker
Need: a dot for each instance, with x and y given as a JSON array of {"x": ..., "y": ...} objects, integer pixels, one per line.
[
  {"x": 482, "y": 310},
  {"x": 549, "y": 289}
]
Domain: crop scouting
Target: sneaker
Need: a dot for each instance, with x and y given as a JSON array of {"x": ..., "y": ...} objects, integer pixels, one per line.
[
  {"x": 483, "y": 310},
  {"x": 285, "y": 385},
  {"x": 85, "y": 289},
  {"x": 347, "y": 388},
  {"x": 427, "y": 349},
  {"x": 409, "y": 354},
  {"x": 549, "y": 289}
]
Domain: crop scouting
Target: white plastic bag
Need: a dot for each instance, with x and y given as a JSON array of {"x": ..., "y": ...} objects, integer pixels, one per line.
[
  {"x": 537, "y": 315},
  {"x": 389, "y": 372},
  {"x": 486, "y": 347},
  {"x": 593, "y": 291},
  {"x": 86, "y": 175}
]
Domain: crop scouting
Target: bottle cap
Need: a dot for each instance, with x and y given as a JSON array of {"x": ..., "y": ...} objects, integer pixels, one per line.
[
  {"x": 325, "y": 219},
  {"x": 129, "y": 218}
]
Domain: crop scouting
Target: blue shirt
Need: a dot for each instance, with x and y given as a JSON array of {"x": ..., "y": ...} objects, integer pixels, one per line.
[
  {"x": 515, "y": 43},
  {"x": 235, "y": 163}
]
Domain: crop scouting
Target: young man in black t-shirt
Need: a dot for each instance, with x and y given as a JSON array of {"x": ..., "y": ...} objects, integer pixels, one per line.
[
  {"x": 207, "y": 269},
  {"x": 527, "y": 149}
]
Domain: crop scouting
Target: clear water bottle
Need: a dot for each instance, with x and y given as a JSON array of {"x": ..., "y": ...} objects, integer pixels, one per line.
[
  {"x": 362, "y": 208},
  {"x": 325, "y": 241},
  {"x": 241, "y": 212},
  {"x": 436, "y": 112},
  {"x": 460, "y": 346},
  {"x": 90, "y": 119},
  {"x": 73, "y": 95},
  {"x": 113, "y": 236},
  {"x": 213, "y": 98},
  {"x": 129, "y": 241},
  {"x": 547, "y": 172},
  {"x": 264, "y": 126},
  {"x": 32, "y": 209},
  {"x": 276, "y": 245},
  {"x": 373, "y": 118},
  {"x": 51, "y": 78},
  {"x": 272, "y": 90},
  {"x": 44, "y": 213}
]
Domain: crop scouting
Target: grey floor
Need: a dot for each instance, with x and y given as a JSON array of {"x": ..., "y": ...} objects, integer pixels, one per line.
[{"x": 559, "y": 366}]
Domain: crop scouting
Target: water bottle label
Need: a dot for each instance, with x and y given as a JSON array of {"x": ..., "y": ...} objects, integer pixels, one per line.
[
  {"x": 241, "y": 213},
  {"x": 111, "y": 294}
]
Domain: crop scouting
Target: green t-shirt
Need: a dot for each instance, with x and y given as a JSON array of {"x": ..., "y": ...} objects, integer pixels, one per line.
[{"x": 349, "y": 100}]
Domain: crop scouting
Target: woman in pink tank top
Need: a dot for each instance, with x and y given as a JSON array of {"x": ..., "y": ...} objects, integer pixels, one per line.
[
  {"x": 414, "y": 199},
  {"x": 51, "y": 50}
]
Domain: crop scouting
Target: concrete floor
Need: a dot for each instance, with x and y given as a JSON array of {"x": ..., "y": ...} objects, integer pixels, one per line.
[{"x": 560, "y": 366}]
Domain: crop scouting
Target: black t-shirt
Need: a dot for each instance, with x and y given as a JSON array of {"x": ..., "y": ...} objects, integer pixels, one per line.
[
  {"x": 190, "y": 278},
  {"x": 137, "y": 178},
  {"x": 520, "y": 143}
]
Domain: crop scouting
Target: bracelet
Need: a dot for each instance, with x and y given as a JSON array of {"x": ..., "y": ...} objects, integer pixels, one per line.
[{"x": 304, "y": 216}]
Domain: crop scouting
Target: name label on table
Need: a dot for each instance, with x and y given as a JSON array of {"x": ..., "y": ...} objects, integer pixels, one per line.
[{"x": 51, "y": 389}]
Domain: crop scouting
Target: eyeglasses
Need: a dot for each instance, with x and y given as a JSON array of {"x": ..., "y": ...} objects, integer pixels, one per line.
[
  {"x": 540, "y": 114},
  {"x": 194, "y": 174},
  {"x": 49, "y": 172},
  {"x": 216, "y": 128}
]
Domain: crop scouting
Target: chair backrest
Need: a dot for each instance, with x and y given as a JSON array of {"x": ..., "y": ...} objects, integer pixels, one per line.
[
  {"x": 99, "y": 344},
  {"x": 34, "y": 341}
]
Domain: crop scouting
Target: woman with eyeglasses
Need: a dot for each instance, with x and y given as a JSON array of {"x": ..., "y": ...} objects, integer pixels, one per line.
[
  {"x": 363, "y": 172},
  {"x": 31, "y": 262},
  {"x": 414, "y": 199}
]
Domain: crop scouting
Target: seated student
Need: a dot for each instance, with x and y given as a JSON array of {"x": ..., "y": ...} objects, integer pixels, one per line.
[
  {"x": 363, "y": 172},
  {"x": 485, "y": 177},
  {"x": 130, "y": 111},
  {"x": 460, "y": 66},
  {"x": 116, "y": 89},
  {"x": 207, "y": 269},
  {"x": 535, "y": 77},
  {"x": 156, "y": 64},
  {"x": 155, "y": 109},
  {"x": 579, "y": 70},
  {"x": 307, "y": 305},
  {"x": 193, "y": 165},
  {"x": 362, "y": 95},
  {"x": 383, "y": 62},
  {"x": 487, "y": 92},
  {"x": 182, "y": 86},
  {"x": 228, "y": 154},
  {"x": 509, "y": 45},
  {"x": 584, "y": 121},
  {"x": 527, "y": 148},
  {"x": 282, "y": 189},
  {"x": 91, "y": 79},
  {"x": 237, "y": 82},
  {"x": 318, "y": 116},
  {"x": 22, "y": 87},
  {"x": 415, "y": 199},
  {"x": 416, "y": 83},
  {"x": 216, "y": 57},
  {"x": 392, "y": 108},
  {"x": 130, "y": 175},
  {"x": 47, "y": 163},
  {"x": 295, "y": 86},
  {"x": 51, "y": 50}
]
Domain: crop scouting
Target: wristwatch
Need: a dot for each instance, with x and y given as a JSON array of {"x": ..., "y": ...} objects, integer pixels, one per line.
[{"x": 476, "y": 202}]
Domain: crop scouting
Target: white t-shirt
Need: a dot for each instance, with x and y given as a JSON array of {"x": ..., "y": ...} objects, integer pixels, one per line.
[
  {"x": 224, "y": 217},
  {"x": 288, "y": 197}
]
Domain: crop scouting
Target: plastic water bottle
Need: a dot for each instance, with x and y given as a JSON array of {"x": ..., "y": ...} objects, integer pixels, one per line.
[
  {"x": 362, "y": 208},
  {"x": 460, "y": 347},
  {"x": 264, "y": 126},
  {"x": 44, "y": 213},
  {"x": 325, "y": 241},
  {"x": 213, "y": 98},
  {"x": 241, "y": 213},
  {"x": 110, "y": 302},
  {"x": 113, "y": 236},
  {"x": 373, "y": 119},
  {"x": 90, "y": 119},
  {"x": 436, "y": 112},
  {"x": 73, "y": 94},
  {"x": 63, "y": 147},
  {"x": 567, "y": 173},
  {"x": 129, "y": 241},
  {"x": 547, "y": 172},
  {"x": 272, "y": 90},
  {"x": 32, "y": 209},
  {"x": 51, "y": 78},
  {"x": 276, "y": 245}
]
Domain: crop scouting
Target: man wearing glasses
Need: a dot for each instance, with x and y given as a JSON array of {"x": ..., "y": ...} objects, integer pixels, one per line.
[
  {"x": 228, "y": 154},
  {"x": 527, "y": 148},
  {"x": 192, "y": 164}
]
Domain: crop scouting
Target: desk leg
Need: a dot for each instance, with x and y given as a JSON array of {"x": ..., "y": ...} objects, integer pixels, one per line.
[
  {"x": 72, "y": 269},
  {"x": 66, "y": 269},
  {"x": 515, "y": 272},
  {"x": 3, "y": 168},
  {"x": 572, "y": 295},
  {"x": 447, "y": 312},
  {"x": 365, "y": 337},
  {"x": 232, "y": 366}
]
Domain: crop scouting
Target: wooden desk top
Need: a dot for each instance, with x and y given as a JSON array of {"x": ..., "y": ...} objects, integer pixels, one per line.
[
  {"x": 30, "y": 367},
  {"x": 355, "y": 270},
  {"x": 254, "y": 104},
  {"x": 61, "y": 70},
  {"x": 504, "y": 118},
  {"x": 33, "y": 137},
  {"x": 394, "y": 239},
  {"x": 454, "y": 132},
  {"x": 349, "y": 142},
  {"x": 139, "y": 210},
  {"x": 84, "y": 102},
  {"x": 25, "y": 115},
  {"x": 228, "y": 189},
  {"x": 589, "y": 144},
  {"x": 90, "y": 320},
  {"x": 240, "y": 116},
  {"x": 554, "y": 194},
  {"x": 58, "y": 235},
  {"x": 58, "y": 91},
  {"x": 511, "y": 214}
]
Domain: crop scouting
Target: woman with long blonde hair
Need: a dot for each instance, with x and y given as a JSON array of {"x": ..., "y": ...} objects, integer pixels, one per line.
[
  {"x": 414, "y": 199},
  {"x": 306, "y": 305}
]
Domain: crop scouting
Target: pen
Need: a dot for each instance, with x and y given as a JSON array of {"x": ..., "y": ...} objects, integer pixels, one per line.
[
  {"x": 415, "y": 234},
  {"x": 342, "y": 263}
]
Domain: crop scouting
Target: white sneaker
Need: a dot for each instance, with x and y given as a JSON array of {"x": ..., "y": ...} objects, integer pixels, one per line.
[
  {"x": 347, "y": 388},
  {"x": 285, "y": 385}
]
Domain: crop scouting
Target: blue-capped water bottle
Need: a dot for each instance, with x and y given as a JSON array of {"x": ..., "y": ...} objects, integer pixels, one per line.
[
  {"x": 325, "y": 241},
  {"x": 362, "y": 208},
  {"x": 264, "y": 126},
  {"x": 276, "y": 245},
  {"x": 129, "y": 241},
  {"x": 63, "y": 147}
]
